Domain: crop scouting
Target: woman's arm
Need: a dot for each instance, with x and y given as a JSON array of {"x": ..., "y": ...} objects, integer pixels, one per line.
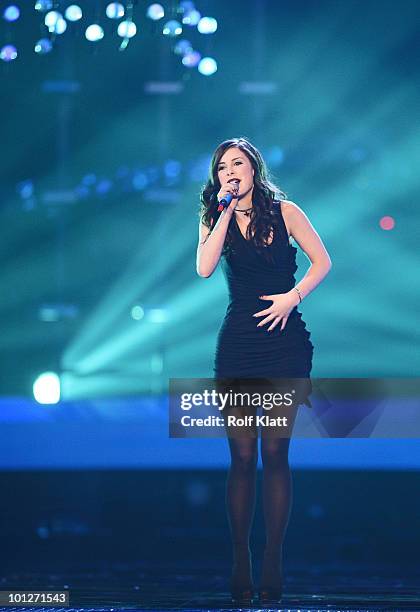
[
  {"x": 309, "y": 241},
  {"x": 210, "y": 245}
]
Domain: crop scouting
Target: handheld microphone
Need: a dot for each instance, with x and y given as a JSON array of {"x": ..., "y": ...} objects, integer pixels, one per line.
[{"x": 227, "y": 199}]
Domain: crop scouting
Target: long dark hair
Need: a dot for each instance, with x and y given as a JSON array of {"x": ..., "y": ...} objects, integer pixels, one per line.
[{"x": 264, "y": 215}]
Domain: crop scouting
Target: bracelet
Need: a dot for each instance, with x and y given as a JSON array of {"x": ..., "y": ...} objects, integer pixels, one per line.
[{"x": 300, "y": 297}]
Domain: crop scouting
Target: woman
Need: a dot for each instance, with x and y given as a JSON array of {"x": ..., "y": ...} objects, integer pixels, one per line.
[{"x": 262, "y": 335}]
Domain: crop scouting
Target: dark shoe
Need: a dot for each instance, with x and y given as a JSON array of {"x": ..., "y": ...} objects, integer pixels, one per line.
[
  {"x": 270, "y": 595},
  {"x": 242, "y": 596}
]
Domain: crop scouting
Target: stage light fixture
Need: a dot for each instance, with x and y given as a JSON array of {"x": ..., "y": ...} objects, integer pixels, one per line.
[
  {"x": 191, "y": 59},
  {"x": 191, "y": 18},
  {"x": 207, "y": 66},
  {"x": 46, "y": 388},
  {"x": 155, "y": 12},
  {"x": 8, "y": 53},
  {"x": 94, "y": 32},
  {"x": 43, "y": 46},
  {"x": 73, "y": 13},
  {"x": 207, "y": 25},
  {"x": 127, "y": 29},
  {"x": 43, "y": 5},
  {"x": 11, "y": 13},
  {"x": 115, "y": 10},
  {"x": 172, "y": 28},
  {"x": 137, "y": 313}
]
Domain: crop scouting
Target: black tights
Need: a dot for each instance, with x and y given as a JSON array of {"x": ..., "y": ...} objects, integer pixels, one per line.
[{"x": 240, "y": 502}]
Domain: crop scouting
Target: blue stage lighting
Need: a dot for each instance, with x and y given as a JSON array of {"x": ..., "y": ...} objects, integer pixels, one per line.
[
  {"x": 127, "y": 29},
  {"x": 191, "y": 59},
  {"x": 207, "y": 25},
  {"x": 207, "y": 66},
  {"x": 73, "y": 12},
  {"x": 191, "y": 18},
  {"x": 8, "y": 53},
  {"x": 172, "y": 28},
  {"x": 182, "y": 47},
  {"x": 43, "y": 5},
  {"x": 115, "y": 10},
  {"x": 94, "y": 32},
  {"x": 11, "y": 13},
  {"x": 46, "y": 388},
  {"x": 155, "y": 12}
]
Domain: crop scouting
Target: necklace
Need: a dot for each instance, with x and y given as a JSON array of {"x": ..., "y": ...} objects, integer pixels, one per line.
[{"x": 244, "y": 210}]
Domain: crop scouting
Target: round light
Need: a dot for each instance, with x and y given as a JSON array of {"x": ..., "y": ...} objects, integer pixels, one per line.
[
  {"x": 73, "y": 12},
  {"x": 44, "y": 45},
  {"x": 43, "y": 5},
  {"x": 191, "y": 18},
  {"x": 207, "y": 25},
  {"x": 115, "y": 10},
  {"x": 94, "y": 32},
  {"x": 182, "y": 47},
  {"x": 11, "y": 13},
  {"x": 207, "y": 66},
  {"x": 59, "y": 27},
  {"x": 191, "y": 59},
  {"x": 46, "y": 388},
  {"x": 172, "y": 28},
  {"x": 51, "y": 18},
  {"x": 127, "y": 29},
  {"x": 387, "y": 223},
  {"x": 155, "y": 12},
  {"x": 8, "y": 53},
  {"x": 137, "y": 313}
]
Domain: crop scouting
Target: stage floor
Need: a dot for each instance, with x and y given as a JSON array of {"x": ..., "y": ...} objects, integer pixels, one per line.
[{"x": 153, "y": 585}]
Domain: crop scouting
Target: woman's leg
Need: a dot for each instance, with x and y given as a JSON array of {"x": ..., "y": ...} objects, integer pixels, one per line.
[
  {"x": 277, "y": 500},
  {"x": 277, "y": 481},
  {"x": 240, "y": 504}
]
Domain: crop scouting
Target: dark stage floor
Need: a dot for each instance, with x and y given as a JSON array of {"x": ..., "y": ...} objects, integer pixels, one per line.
[{"x": 155, "y": 586}]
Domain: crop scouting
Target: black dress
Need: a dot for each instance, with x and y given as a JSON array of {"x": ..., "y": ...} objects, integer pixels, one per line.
[{"x": 244, "y": 350}]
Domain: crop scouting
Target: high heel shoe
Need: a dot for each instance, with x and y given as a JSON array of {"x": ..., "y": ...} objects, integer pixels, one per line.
[
  {"x": 270, "y": 595},
  {"x": 242, "y": 595}
]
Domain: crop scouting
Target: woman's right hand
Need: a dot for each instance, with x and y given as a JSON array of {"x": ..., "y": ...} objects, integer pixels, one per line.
[{"x": 232, "y": 188}]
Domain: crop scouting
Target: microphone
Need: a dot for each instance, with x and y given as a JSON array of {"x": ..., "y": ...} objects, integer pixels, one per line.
[{"x": 227, "y": 199}]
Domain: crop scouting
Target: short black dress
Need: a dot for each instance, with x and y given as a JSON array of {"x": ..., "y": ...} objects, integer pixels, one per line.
[{"x": 244, "y": 350}]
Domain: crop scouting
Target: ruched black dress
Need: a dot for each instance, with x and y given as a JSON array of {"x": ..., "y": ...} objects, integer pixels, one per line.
[{"x": 244, "y": 350}]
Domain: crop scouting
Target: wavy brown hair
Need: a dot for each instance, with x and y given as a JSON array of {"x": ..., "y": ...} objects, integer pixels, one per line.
[{"x": 264, "y": 215}]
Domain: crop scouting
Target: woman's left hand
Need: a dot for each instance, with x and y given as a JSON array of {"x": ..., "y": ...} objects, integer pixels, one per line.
[{"x": 282, "y": 306}]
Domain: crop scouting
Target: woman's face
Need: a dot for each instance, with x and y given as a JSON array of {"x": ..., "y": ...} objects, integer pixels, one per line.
[{"x": 234, "y": 164}]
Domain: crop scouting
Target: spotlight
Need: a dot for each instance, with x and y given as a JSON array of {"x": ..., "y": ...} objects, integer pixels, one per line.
[
  {"x": 127, "y": 29},
  {"x": 55, "y": 22},
  {"x": 46, "y": 388},
  {"x": 207, "y": 66},
  {"x": 191, "y": 59},
  {"x": 73, "y": 12},
  {"x": 182, "y": 47},
  {"x": 8, "y": 53},
  {"x": 387, "y": 222},
  {"x": 137, "y": 313},
  {"x": 207, "y": 25},
  {"x": 115, "y": 10},
  {"x": 172, "y": 28},
  {"x": 60, "y": 26},
  {"x": 11, "y": 13},
  {"x": 43, "y": 5},
  {"x": 155, "y": 12},
  {"x": 191, "y": 18},
  {"x": 94, "y": 32},
  {"x": 43, "y": 46}
]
